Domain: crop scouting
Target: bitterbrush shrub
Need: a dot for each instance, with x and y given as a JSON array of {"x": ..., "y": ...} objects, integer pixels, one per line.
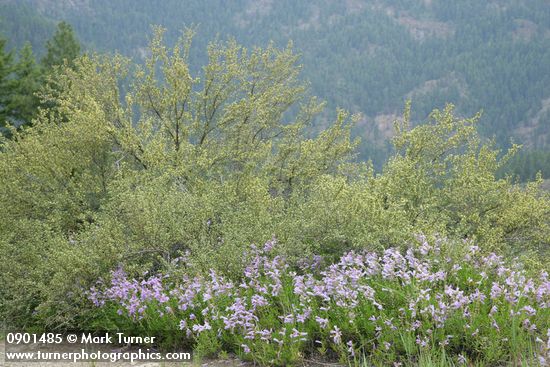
[{"x": 135, "y": 164}]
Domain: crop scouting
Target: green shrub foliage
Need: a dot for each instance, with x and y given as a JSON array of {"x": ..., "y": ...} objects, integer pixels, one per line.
[{"x": 135, "y": 165}]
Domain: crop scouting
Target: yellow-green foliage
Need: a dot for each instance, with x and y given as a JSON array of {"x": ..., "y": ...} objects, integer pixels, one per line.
[
  {"x": 446, "y": 179},
  {"x": 135, "y": 165}
]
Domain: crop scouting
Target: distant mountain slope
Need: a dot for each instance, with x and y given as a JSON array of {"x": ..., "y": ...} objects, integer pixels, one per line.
[{"x": 366, "y": 56}]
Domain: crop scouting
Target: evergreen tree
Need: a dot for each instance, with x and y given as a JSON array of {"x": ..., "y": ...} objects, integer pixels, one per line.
[
  {"x": 24, "y": 101},
  {"x": 62, "y": 47},
  {"x": 6, "y": 68}
]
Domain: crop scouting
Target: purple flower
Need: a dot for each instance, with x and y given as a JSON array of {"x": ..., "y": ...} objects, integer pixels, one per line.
[
  {"x": 323, "y": 323},
  {"x": 265, "y": 334},
  {"x": 270, "y": 245},
  {"x": 529, "y": 310},
  {"x": 417, "y": 287},
  {"x": 258, "y": 301},
  {"x": 351, "y": 350},
  {"x": 287, "y": 319},
  {"x": 298, "y": 335},
  {"x": 496, "y": 291},
  {"x": 301, "y": 318},
  {"x": 423, "y": 342},
  {"x": 200, "y": 328},
  {"x": 336, "y": 335}
]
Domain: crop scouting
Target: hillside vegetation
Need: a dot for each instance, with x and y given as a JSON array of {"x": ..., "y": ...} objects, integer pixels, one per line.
[
  {"x": 209, "y": 163},
  {"x": 198, "y": 192},
  {"x": 365, "y": 56}
]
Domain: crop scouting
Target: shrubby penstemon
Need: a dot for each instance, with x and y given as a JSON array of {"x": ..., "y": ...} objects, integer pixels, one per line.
[{"x": 393, "y": 306}]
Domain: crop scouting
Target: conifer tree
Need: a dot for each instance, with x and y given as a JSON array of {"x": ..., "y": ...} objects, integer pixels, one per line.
[
  {"x": 24, "y": 101},
  {"x": 6, "y": 68},
  {"x": 62, "y": 47}
]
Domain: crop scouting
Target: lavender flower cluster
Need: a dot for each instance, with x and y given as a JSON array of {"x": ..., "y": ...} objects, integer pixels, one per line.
[{"x": 387, "y": 306}]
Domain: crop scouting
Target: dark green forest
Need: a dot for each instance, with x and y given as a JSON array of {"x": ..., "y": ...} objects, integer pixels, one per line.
[{"x": 368, "y": 57}]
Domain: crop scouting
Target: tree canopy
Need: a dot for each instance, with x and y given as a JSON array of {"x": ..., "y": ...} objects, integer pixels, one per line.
[
  {"x": 22, "y": 78},
  {"x": 62, "y": 48},
  {"x": 6, "y": 68},
  {"x": 367, "y": 57}
]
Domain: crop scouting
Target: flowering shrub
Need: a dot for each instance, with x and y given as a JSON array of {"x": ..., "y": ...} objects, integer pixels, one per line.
[{"x": 394, "y": 307}]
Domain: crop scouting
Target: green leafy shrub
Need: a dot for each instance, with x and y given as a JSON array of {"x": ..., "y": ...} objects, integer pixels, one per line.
[{"x": 135, "y": 165}]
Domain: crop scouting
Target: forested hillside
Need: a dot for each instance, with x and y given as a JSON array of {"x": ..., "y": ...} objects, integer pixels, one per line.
[{"x": 366, "y": 56}]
